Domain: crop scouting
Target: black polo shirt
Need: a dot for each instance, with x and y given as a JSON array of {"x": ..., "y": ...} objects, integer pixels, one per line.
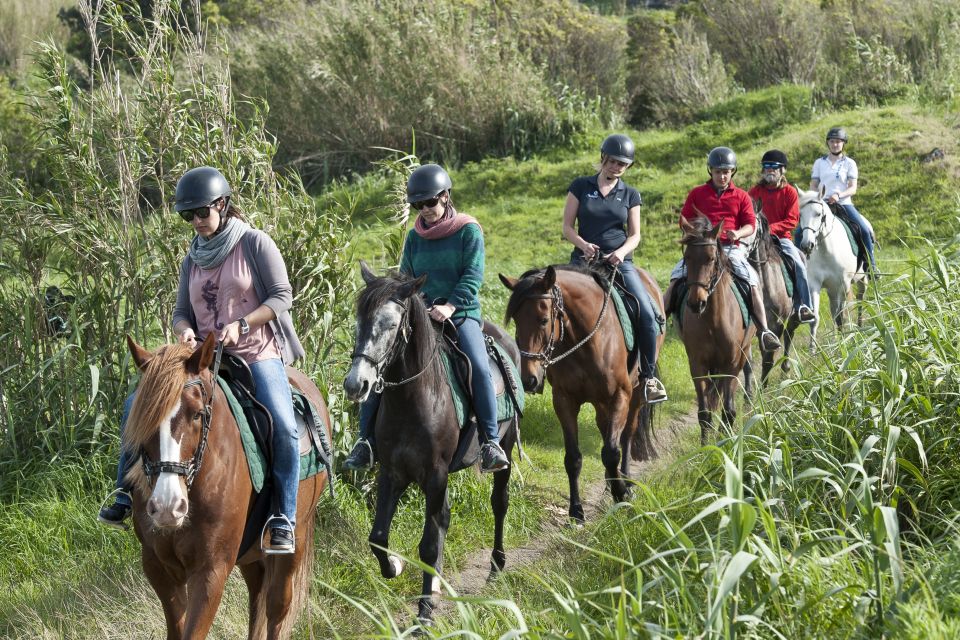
[{"x": 603, "y": 220}]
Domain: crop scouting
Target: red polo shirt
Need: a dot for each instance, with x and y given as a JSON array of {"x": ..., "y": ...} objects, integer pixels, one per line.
[
  {"x": 733, "y": 206},
  {"x": 781, "y": 206}
]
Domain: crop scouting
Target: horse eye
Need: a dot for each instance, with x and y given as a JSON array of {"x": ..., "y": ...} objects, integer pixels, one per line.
[
  {"x": 544, "y": 321},
  {"x": 197, "y": 416}
]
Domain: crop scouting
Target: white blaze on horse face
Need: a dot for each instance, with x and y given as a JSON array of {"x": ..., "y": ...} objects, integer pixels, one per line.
[
  {"x": 376, "y": 347},
  {"x": 168, "y": 498}
]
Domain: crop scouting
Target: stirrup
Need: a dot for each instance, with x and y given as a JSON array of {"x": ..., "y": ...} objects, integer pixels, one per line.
[
  {"x": 266, "y": 525},
  {"x": 365, "y": 442},
  {"x": 112, "y": 496},
  {"x": 779, "y": 345},
  {"x": 658, "y": 400}
]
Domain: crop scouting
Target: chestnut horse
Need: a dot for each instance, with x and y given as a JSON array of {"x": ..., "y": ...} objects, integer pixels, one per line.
[
  {"x": 189, "y": 514},
  {"x": 565, "y": 312},
  {"x": 711, "y": 324},
  {"x": 397, "y": 352}
]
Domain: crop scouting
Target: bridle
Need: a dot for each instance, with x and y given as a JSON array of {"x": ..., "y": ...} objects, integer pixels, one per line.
[
  {"x": 819, "y": 230},
  {"x": 557, "y": 313},
  {"x": 718, "y": 268},
  {"x": 190, "y": 469},
  {"x": 399, "y": 345}
]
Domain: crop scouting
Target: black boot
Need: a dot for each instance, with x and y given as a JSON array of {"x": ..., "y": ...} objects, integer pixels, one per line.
[
  {"x": 361, "y": 456},
  {"x": 768, "y": 339}
]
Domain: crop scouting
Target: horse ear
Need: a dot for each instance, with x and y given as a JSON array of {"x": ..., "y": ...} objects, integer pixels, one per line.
[
  {"x": 366, "y": 272},
  {"x": 202, "y": 357},
  {"x": 409, "y": 288},
  {"x": 715, "y": 231},
  {"x": 507, "y": 281},
  {"x": 549, "y": 279},
  {"x": 140, "y": 355},
  {"x": 821, "y": 190},
  {"x": 686, "y": 226}
]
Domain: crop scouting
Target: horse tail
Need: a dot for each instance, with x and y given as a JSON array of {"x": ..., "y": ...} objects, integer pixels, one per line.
[
  {"x": 300, "y": 583},
  {"x": 641, "y": 445}
]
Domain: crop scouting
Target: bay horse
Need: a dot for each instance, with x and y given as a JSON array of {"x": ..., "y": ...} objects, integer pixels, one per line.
[
  {"x": 397, "y": 352},
  {"x": 831, "y": 261},
  {"x": 189, "y": 513},
  {"x": 764, "y": 254},
  {"x": 565, "y": 312},
  {"x": 711, "y": 324}
]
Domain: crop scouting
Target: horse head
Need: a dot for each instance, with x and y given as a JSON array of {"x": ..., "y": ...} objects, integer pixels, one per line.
[
  {"x": 388, "y": 309},
  {"x": 536, "y": 306},
  {"x": 814, "y": 212},
  {"x": 704, "y": 260},
  {"x": 168, "y": 426}
]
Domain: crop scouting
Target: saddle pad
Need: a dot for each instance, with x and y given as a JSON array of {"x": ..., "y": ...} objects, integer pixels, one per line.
[
  {"x": 744, "y": 311},
  {"x": 310, "y": 462},
  {"x": 854, "y": 245},
  {"x": 787, "y": 280},
  {"x": 505, "y": 408},
  {"x": 628, "y": 337}
]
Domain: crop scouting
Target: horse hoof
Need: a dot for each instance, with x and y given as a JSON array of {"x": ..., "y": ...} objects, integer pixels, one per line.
[
  {"x": 786, "y": 366},
  {"x": 396, "y": 566}
]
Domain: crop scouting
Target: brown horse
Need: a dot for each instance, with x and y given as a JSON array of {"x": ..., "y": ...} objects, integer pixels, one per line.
[
  {"x": 190, "y": 513},
  {"x": 764, "y": 255},
  {"x": 711, "y": 324},
  {"x": 564, "y": 312}
]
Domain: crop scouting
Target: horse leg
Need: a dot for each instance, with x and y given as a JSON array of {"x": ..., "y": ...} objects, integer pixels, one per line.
[
  {"x": 435, "y": 526},
  {"x": 859, "y": 288},
  {"x": 728, "y": 390},
  {"x": 206, "y": 589},
  {"x": 788, "y": 332},
  {"x": 567, "y": 411},
  {"x": 837, "y": 302},
  {"x": 611, "y": 420},
  {"x": 253, "y": 575},
  {"x": 499, "y": 503},
  {"x": 389, "y": 493},
  {"x": 171, "y": 592},
  {"x": 748, "y": 379},
  {"x": 703, "y": 386}
]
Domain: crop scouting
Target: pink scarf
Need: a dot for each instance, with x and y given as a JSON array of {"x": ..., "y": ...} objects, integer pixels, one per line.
[{"x": 449, "y": 224}]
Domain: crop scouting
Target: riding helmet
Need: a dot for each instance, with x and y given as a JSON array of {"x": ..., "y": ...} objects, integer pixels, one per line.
[
  {"x": 774, "y": 155},
  {"x": 837, "y": 133},
  {"x": 200, "y": 187},
  {"x": 619, "y": 147},
  {"x": 722, "y": 158},
  {"x": 427, "y": 181}
]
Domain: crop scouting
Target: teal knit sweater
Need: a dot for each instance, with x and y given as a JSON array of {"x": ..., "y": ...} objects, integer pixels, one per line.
[{"x": 454, "y": 268}]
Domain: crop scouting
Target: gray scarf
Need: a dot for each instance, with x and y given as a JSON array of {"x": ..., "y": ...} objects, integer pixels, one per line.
[{"x": 209, "y": 254}]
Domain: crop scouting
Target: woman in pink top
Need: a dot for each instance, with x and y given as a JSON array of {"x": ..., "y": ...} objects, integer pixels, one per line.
[{"x": 233, "y": 283}]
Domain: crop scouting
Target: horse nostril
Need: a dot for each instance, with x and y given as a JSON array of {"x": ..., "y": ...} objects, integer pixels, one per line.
[
  {"x": 180, "y": 510},
  {"x": 152, "y": 507},
  {"x": 364, "y": 386}
]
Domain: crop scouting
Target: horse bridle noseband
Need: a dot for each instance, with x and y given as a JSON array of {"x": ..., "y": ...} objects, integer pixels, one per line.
[
  {"x": 819, "y": 230},
  {"x": 718, "y": 268},
  {"x": 189, "y": 470},
  {"x": 558, "y": 312},
  {"x": 405, "y": 331}
]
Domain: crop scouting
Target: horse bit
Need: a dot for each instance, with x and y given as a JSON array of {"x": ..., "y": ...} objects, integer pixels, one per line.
[
  {"x": 406, "y": 330},
  {"x": 557, "y": 312},
  {"x": 188, "y": 470}
]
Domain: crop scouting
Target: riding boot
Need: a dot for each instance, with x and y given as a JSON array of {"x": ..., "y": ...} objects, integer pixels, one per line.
[{"x": 768, "y": 340}]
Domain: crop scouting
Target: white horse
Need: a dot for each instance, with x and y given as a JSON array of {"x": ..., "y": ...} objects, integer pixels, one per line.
[{"x": 831, "y": 262}]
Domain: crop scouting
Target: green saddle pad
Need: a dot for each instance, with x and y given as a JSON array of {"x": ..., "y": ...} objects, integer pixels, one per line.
[
  {"x": 310, "y": 463},
  {"x": 787, "y": 280},
  {"x": 505, "y": 408},
  {"x": 737, "y": 294},
  {"x": 853, "y": 241},
  {"x": 628, "y": 338}
]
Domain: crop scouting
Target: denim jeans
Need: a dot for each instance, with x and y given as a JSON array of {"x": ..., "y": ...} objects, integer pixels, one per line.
[
  {"x": 865, "y": 231},
  {"x": 273, "y": 392},
  {"x": 801, "y": 292},
  {"x": 471, "y": 342}
]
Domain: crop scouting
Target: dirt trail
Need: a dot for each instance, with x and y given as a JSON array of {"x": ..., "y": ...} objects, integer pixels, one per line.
[{"x": 472, "y": 577}]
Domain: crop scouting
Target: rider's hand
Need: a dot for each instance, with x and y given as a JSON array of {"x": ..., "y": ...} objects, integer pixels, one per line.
[
  {"x": 189, "y": 337},
  {"x": 731, "y": 235},
  {"x": 834, "y": 197},
  {"x": 231, "y": 334},
  {"x": 615, "y": 258},
  {"x": 589, "y": 250},
  {"x": 440, "y": 312}
]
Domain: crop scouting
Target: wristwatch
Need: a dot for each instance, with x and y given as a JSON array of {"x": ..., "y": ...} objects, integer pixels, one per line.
[{"x": 244, "y": 327}]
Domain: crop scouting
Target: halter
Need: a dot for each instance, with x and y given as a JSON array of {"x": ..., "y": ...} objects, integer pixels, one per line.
[
  {"x": 818, "y": 231},
  {"x": 406, "y": 330},
  {"x": 718, "y": 268},
  {"x": 557, "y": 312},
  {"x": 188, "y": 470}
]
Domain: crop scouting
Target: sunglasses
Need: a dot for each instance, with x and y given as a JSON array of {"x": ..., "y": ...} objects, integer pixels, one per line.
[
  {"x": 420, "y": 204},
  {"x": 771, "y": 165},
  {"x": 201, "y": 212}
]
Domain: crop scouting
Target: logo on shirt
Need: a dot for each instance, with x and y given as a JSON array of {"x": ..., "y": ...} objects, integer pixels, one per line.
[{"x": 594, "y": 195}]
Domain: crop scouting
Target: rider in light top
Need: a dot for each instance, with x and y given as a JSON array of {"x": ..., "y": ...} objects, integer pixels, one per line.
[
  {"x": 837, "y": 174},
  {"x": 721, "y": 201},
  {"x": 780, "y": 204}
]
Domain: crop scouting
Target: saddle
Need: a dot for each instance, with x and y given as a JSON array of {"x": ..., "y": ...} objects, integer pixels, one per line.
[
  {"x": 854, "y": 235},
  {"x": 256, "y": 432},
  {"x": 741, "y": 291}
]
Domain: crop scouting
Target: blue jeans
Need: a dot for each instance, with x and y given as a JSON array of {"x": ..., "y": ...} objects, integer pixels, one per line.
[
  {"x": 647, "y": 315},
  {"x": 861, "y": 222},
  {"x": 801, "y": 292},
  {"x": 471, "y": 342},
  {"x": 273, "y": 392}
]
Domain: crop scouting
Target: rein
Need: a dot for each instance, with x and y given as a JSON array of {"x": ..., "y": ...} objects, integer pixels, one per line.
[
  {"x": 557, "y": 312},
  {"x": 718, "y": 269},
  {"x": 406, "y": 330},
  {"x": 189, "y": 470}
]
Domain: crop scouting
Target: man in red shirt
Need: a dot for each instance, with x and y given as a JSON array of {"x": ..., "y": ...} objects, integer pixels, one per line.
[
  {"x": 779, "y": 203},
  {"x": 721, "y": 200}
]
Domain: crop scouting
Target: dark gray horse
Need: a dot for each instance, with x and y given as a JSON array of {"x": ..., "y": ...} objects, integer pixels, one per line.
[{"x": 398, "y": 348}]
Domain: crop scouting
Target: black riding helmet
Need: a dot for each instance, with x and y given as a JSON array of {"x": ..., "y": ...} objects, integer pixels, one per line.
[
  {"x": 200, "y": 187},
  {"x": 837, "y": 133},
  {"x": 722, "y": 158},
  {"x": 774, "y": 156},
  {"x": 619, "y": 147},
  {"x": 427, "y": 181}
]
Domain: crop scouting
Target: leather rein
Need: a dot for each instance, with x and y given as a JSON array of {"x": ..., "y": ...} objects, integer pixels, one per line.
[{"x": 190, "y": 469}]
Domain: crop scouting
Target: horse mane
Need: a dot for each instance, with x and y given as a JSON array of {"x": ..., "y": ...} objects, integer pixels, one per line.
[
  {"x": 157, "y": 394},
  {"x": 532, "y": 277}
]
